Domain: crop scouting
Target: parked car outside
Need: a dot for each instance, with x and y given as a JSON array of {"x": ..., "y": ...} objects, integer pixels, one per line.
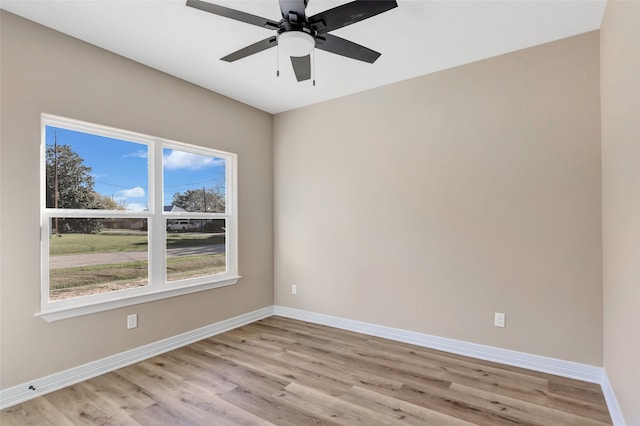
[{"x": 182, "y": 225}]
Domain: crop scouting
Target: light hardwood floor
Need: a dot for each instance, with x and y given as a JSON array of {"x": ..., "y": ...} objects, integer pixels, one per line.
[{"x": 287, "y": 372}]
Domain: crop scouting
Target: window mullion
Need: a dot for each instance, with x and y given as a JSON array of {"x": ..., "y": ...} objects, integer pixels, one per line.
[
  {"x": 45, "y": 232},
  {"x": 93, "y": 213},
  {"x": 231, "y": 181},
  {"x": 157, "y": 238}
]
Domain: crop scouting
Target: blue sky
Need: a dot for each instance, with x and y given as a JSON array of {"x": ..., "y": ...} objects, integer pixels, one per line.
[{"x": 120, "y": 168}]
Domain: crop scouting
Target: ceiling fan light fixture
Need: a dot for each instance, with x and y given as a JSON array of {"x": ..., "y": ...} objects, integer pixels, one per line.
[{"x": 296, "y": 43}]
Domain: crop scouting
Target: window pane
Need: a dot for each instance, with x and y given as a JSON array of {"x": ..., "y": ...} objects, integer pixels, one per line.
[
  {"x": 85, "y": 171},
  {"x": 90, "y": 256},
  {"x": 193, "y": 182},
  {"x": 195, "y": 248}
]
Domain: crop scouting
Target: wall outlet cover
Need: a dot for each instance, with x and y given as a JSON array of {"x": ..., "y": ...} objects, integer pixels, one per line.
[
  {"x": 132, "y": 321},
  {"x": 499, "y": 319}
]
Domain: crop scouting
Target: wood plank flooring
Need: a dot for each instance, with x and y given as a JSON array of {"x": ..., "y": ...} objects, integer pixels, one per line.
[{"x": 279, "y": 371}]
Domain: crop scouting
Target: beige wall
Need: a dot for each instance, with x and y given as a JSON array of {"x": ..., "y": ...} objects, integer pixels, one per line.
[
  {"x": 432, "y": 203},
  {"x": 620, "y": 89},
  {"x": 427, "y": 205},
  {"x": 45, "y": 71}
]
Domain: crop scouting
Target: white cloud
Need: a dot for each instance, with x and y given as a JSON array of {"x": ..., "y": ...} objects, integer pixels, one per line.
[
  {"x": 138, "y": 207},
  {"x": 136, "y": 192},
  {"x": 176, "y": 160},
  {"x": 143, "y": 153},
  {"x": 122, "y": 197}
]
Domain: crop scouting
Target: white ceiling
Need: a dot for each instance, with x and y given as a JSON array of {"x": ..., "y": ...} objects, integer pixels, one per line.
[{"x": 416, "y": 38}]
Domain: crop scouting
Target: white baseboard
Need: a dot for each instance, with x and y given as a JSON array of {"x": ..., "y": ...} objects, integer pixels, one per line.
[
  {"x": 588, "y": 373},
  {"x": 558, "y": 367},
  {"x": 573, "y": 370},
  {"x": 612, "y": 402},
  {"x": 20, "y": 393}
]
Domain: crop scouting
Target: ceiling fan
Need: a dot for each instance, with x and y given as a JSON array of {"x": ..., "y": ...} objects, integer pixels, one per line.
[{"x": 297, "y": 34}]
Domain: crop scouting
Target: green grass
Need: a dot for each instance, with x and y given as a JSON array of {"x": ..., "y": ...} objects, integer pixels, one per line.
[
  {"x": 97, "y": 274},
  {"x": 85, "y": 280},
  {"x": 96, "y": 243},
  {"x": 179, "y": 268},
  {"x": 110, "y": 243},
  {"x": 81, "y": 281}
]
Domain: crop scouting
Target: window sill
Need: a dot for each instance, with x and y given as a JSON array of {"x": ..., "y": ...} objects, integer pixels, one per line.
[{"x": 51, "y": 315}]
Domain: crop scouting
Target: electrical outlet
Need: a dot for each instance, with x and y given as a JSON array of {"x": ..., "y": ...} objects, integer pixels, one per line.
[
  {"x": 294, "y": 289},
  {"x": 132, "y": 321},
  {"x": 499, "y": 320}
]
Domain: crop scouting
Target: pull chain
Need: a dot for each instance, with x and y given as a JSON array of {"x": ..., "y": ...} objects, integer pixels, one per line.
[
  {"x": 277, "y": 58},
  {"x": 314, "y": 66}
]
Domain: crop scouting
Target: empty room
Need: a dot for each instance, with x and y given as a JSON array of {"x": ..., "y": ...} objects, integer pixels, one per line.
[{"x": 320, "y": 212}]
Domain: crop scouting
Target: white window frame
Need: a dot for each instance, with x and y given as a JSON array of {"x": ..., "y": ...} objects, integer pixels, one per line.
[{"x": 158, "y": 287}]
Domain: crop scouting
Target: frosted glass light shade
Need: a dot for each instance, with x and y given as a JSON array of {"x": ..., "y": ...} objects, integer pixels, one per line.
[{"x": 296, "y": 43}]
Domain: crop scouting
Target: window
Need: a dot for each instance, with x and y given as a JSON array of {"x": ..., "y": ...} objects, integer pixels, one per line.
[{"x": 128, "y": 218}]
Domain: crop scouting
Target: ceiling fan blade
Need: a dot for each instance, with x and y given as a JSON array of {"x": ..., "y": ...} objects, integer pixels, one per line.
[
  {"x": 296, "y": 7},
  {"x": 233, "y": 14},
  {"x": 251, "y": 49},
  {"x": 348, "y": 14},
  {"x": 302, "y": 67},
  {"x": 347, "y": 48}
]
